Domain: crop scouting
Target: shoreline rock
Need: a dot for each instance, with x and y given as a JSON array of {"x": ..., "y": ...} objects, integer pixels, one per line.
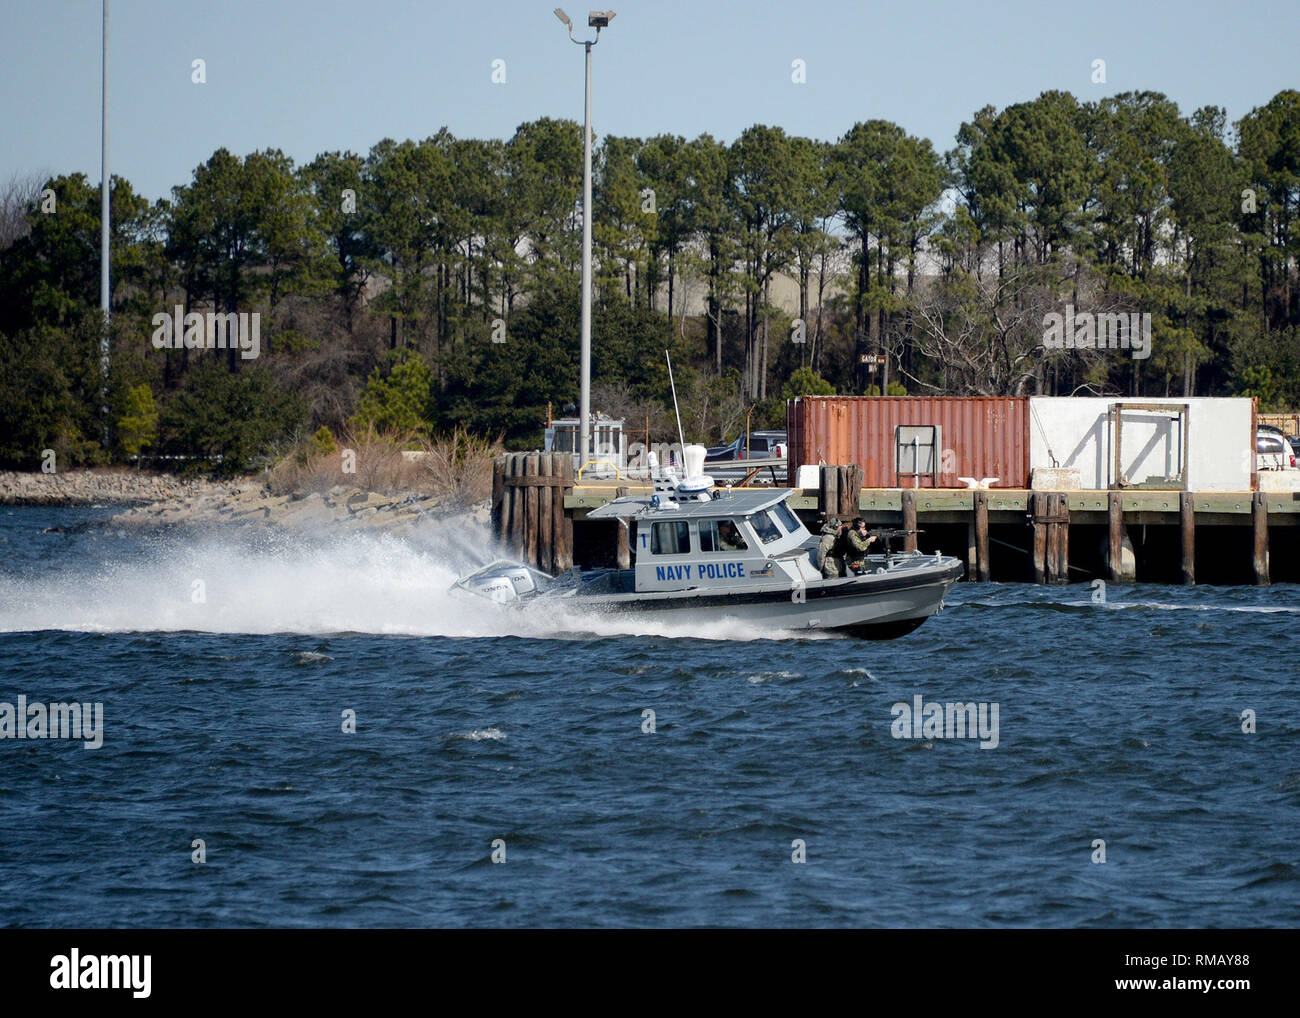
[
  {"x": 94, "y": 487},
  {"x": 165, "y": 501}
]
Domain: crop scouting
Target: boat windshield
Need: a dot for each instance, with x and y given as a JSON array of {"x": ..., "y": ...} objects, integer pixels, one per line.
[
  {"x": 766, "y": 530},
  {"x": 788, "y": 519}
]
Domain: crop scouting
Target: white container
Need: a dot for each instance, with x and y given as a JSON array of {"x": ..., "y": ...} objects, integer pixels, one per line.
[{"x": 1078, "y": 432}]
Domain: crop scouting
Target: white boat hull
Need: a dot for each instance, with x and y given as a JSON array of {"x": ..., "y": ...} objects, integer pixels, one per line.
[{"x": 891, "y": 601}]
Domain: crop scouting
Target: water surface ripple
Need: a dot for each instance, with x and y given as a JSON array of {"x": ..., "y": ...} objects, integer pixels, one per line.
[{"x": 1119, "y": 721}]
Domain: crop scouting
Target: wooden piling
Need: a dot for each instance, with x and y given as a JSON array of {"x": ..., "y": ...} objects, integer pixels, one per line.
[
  {"x": 531, "y": 501},
  {"x": 1038, "y": 502},
  {"x": 622, "y": 545},
  {"x": 517, "y": 501},
  {"x": 830, "y": 493},
  {"x": 1063, "y": 564},
  {"x": 498, "y": 493},
  {"x": 515, "y": 509},
  {"x": 1187, "y": 522},
  {"x": 982, "y": 535},
  {"x": 501, "y": 525},
  {"x": 564, "y": 533},
  {"x": 561, "y": 468},
  {"x": 1115, "y": 548},
  {"x": 1058, "y": 548},
  {"x": 545, "y": 547},
  {"x": 972, "y": 556},
  {"x": 850, "y": 485},
  {"x": 909, "y": 518},
  {"x": 622, "y": 548},
  {"x": 1259, "y": 516}
]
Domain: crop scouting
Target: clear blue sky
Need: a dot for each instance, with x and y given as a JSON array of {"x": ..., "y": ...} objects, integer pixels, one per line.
[{"x": 309, "y": 77}]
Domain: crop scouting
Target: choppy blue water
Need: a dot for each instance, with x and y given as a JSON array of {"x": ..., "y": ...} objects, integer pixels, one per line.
[{"x": 1119, "y": 721}]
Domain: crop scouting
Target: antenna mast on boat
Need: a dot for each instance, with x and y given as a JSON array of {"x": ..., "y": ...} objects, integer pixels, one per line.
[{"x": 680, "y": 437}]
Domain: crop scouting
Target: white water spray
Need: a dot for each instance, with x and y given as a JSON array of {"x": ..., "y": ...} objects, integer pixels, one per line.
[{"x": 344, "y": 583}]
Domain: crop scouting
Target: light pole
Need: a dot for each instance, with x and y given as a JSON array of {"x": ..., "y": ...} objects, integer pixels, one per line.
[
  {"x": 105, "y": 293},
  {"x": 596, "y": 20}
]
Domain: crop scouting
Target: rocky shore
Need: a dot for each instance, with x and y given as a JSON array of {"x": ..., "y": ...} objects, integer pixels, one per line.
[
  {"x": 167, "y": 501},
  {"x": 99, "y": 487}
]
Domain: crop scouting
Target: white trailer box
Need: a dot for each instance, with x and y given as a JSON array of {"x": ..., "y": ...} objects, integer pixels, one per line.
[{"x": 1206, "y": 440}]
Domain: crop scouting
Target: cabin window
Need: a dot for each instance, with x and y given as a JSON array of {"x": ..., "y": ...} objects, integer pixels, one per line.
[
  {"x": 788, "y": 519},
  {"x": 672, "y": 538},
  {"x": 721, "y": 536},
  {"x": 766, "y": 530}
]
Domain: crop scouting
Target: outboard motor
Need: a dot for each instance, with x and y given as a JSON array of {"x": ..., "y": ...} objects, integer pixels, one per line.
[
  {"x": 502, "y": 582},
  {"x": 494, "y": 588},
  {"x": 521, "y": 580}
]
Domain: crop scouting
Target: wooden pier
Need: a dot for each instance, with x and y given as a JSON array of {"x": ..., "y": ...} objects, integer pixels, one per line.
[
  {"x": 530, "y": 519},
  {"x": 539, "y": 511}
]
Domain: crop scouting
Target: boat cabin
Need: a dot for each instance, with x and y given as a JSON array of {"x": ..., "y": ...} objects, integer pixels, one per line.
[{"x": 733, "y": 539}]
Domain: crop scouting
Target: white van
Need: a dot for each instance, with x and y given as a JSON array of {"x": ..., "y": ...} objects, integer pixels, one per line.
[{"x": 1273, "y": 451}]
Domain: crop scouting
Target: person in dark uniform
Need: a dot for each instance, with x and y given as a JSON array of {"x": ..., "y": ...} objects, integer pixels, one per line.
[
  {"x": 858, "y": 541},
  {"x": 832, "y": 546}
]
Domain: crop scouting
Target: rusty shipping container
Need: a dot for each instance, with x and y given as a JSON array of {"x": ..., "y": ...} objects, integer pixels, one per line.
[{"x": 980, "y": 436}]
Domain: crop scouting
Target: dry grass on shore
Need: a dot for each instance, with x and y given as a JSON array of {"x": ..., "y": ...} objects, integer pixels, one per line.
[{"x": 455, "y": 466}]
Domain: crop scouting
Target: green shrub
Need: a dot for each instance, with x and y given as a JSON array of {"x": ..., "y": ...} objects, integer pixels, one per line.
[
  {"x": 137, "y": 427},
  {"x": 396, "y": 403}
]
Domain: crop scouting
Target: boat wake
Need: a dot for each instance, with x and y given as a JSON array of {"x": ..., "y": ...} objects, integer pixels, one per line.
[{"x": 348, "y": 583}]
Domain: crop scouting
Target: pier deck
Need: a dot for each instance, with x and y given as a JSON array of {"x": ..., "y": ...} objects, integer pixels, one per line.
[
  {"x": 883, "y": 505},
  {"x": 540, "y": 508},
  {"x": 1072, "y": 536}
]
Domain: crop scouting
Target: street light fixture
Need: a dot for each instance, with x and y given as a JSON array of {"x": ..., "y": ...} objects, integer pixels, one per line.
[{"x": 596, "y": 20}]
